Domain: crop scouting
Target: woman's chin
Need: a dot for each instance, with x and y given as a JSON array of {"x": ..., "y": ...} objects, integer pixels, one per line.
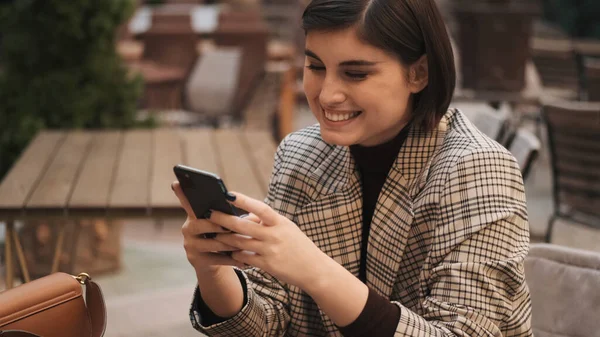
[{"x": 337, "y": 138}]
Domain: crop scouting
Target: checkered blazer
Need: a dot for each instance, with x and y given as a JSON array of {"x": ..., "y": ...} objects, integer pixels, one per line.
[{"x": 447, "y": 240}]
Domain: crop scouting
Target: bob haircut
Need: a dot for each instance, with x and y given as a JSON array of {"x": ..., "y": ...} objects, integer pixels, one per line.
[{"x": 407, "y": 29}]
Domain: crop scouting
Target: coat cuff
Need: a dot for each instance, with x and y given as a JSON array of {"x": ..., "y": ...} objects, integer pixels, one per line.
[{"x": 243, "y": 323}]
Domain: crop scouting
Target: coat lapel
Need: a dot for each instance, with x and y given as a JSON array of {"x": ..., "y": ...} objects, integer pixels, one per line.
[
  {"x": 394, "y": 213},
  {"x": 333, "y": 220}
]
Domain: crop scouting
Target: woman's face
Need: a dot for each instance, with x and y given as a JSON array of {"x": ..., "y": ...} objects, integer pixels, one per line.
[{"x": 359, "y": 93}]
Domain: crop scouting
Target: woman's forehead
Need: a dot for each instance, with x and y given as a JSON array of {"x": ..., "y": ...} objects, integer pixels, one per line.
[{"x": 342, "y": 44}]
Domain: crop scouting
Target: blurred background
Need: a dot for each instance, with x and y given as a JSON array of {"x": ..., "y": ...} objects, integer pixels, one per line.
[{"x": 99, "y": 99}]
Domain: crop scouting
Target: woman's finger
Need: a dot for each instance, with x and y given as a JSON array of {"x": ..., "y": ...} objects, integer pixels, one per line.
[
  {"x": 251, "y": 217},
  {"x": 203, "y": 245},
  {"x": 216, "y": 259},
  {"x": 201, "y": 226},
  {"x": 241, "y": 242},
  {"x": 239, "y": 225},
  {"x": 183, "y": 200},
  {"x": 265, "y": 213},
  {"x": 248, "y": 258}
]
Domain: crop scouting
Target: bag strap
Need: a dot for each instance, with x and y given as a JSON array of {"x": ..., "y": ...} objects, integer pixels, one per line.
[{"x": 95, "y": 305}]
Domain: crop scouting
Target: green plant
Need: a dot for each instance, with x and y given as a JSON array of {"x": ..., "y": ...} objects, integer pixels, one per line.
[
  {"x": 60, "y": 69},
  {"x": 154, "y": 2}
]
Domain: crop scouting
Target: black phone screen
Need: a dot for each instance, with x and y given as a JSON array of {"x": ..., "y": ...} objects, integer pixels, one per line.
[{"x": 204, "y": 190}]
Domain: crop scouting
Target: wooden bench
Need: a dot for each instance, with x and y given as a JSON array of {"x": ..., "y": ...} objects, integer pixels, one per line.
[{"x": 69, "y": 177}]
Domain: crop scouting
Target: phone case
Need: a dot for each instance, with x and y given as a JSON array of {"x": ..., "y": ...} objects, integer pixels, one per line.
[{"x": 204, "y": 190}]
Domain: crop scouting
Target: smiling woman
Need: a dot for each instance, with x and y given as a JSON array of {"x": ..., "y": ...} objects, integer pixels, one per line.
[
  {"x": 360, "y": 94},
  {"x": 394, "y": 216}
]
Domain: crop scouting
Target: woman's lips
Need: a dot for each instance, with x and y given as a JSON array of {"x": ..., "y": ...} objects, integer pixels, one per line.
[{"x": 338, "y": 116}]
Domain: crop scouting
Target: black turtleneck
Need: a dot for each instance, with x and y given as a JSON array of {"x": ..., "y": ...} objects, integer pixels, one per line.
[
  {"x": 374, "y": 164},
  {"x": 379, "y": 316}
]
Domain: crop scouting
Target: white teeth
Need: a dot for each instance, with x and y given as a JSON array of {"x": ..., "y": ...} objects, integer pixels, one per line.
[{"x": 340, "y": 117}]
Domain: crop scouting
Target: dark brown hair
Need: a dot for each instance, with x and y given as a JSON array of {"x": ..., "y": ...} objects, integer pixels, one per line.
[{"x": 408, "y": 29}]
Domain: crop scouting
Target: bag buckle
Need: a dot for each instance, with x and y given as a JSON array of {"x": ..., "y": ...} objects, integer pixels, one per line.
[{"x": 83, "y": 278}]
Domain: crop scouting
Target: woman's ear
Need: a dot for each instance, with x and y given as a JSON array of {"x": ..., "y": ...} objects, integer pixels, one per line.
[{"x": 418, "y": 75}]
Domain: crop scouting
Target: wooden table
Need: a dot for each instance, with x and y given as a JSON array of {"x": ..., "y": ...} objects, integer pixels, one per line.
[{"x": 73, "y": 175}]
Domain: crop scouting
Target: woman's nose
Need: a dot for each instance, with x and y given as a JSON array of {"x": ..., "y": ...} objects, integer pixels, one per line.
[{"x": 332, "y": 92}]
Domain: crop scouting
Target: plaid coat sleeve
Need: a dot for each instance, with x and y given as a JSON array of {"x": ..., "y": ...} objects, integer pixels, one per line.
[
  {"x": 476, "y": 285},
  {"x": 265, "y": 312}
]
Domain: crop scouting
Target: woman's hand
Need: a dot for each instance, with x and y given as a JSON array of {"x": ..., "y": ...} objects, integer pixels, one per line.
[
  {"x": 201, "y": 249},
  {"x": 271, "y": 242}
]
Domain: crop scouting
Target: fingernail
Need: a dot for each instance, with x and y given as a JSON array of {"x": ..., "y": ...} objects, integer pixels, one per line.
[
  {"x": 230, "y": 196},
  {"x": 207, "y": 214}
]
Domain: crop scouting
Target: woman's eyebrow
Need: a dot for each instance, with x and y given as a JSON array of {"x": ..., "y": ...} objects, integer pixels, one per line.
[{"x": 310, "y": 53}]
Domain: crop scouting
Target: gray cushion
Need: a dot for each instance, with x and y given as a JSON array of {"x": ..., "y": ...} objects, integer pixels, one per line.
[
  {"x": 565, "y": 291},
  {"x": 213, "y": 83}
]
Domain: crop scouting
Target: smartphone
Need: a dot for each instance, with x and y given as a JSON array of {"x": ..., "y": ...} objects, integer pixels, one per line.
[{"x": 204, "y": 190}]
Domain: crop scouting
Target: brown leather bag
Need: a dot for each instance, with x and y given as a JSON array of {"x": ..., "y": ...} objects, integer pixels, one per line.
[{"x": 53, "y": 306}]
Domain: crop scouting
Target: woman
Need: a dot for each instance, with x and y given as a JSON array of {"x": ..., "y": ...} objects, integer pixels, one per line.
[{"x": 392, "y": 217}]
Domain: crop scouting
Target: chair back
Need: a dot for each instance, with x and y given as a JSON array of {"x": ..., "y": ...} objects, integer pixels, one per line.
[
  {"x": 284, "y": 19},
  {"x": 564, "y": 284},
  {"x": 237, "y": 16},
  {"x": 556, "y": 63},
  {"x": 171, "y": 41},
  {"x": 574, "y": 141},
  {"x": 592, "y": 75},
  {"x": 252, "y": 38},
  {"x": 525, "y": 147}
]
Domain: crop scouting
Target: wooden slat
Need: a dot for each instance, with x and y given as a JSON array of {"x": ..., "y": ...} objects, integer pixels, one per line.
[
  {"x": 262, "y": 148},
  {"x": 199, "y": 150},
  {"x": 56, "y": 185},
  {"x": 22, "y": 178},
  {"x": 95, "y": 180},
  {"x": 167, "y": 153},
  {"x": 132, "y": 182},
  {"x": 238, "y": 173}
]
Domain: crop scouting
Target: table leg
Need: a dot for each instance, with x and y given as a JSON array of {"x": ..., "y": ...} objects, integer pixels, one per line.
[
  {"x": 74, "y": 244},
  {"x": 59, "y": 248},
  {"x": 159, "y": 224},
  {"x": 21, "y": 256},
  {"x": 10, "y": 227}
]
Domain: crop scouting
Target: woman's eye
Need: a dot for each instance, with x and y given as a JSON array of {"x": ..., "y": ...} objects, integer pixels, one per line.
[
  {"x": 314, "y": 67},
  {"x": 356, "y": 76}
]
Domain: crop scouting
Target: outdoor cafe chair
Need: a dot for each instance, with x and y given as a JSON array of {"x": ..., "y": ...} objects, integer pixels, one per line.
[
  {"x": 574, "y": 143},
  {"x": 170, "y": 52},
  {"x": 493, "y": 123},
  {"x": 592, "y": 74},
  {"x": 556, "y": 63},
  {"x": 564, "y": 284},
  {"x": 525, "y": 147},
  {"x": 251, "y": 38}
]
